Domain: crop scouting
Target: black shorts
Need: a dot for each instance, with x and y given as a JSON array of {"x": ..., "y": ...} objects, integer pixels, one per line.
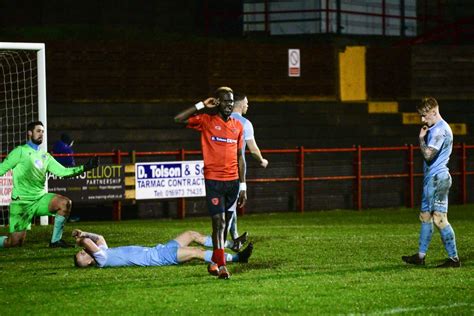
[{"x": 220, "y": 195}]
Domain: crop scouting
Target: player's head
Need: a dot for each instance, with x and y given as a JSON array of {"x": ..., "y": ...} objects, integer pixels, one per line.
[
  {"x": 241, "y": 104},
  {"x": 225, "y": 101},
  {"x": 429, "y": 110},
  {"x": 83, "y": 260},
  {"x": 35, "y": 132},
  {"x": 65, "y": 138}
]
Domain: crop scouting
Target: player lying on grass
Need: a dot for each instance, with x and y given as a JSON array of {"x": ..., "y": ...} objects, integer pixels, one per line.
[{"x": 97, "y": 253}]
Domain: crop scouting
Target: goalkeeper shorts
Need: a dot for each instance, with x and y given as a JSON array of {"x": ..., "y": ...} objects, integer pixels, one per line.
[{"x": 23, "y": 211}]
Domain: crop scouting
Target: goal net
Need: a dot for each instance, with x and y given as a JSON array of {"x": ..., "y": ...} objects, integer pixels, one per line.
[{"x": 22, "y": 100}]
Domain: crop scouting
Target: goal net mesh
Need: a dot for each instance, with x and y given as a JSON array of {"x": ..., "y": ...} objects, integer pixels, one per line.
[{"x": 18, "y": 107}]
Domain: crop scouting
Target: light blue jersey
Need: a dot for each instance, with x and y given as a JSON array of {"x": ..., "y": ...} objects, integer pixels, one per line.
[
  {"x": 160, "y": 255},
  {"x": 439, "y": 137},
  {"x": 248, "y": 129}
]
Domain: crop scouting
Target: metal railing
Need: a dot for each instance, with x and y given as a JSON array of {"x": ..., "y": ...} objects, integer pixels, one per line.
[{"x": 460, "y": 152}]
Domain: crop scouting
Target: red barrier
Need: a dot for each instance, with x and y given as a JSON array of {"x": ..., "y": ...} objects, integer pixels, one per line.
[{"x": 357, "y": 177}]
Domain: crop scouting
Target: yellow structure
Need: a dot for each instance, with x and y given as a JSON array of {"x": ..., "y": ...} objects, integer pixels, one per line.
[
  {"x": 352, "y": 84},
  {"x": 383, "y": 107},
  {"x": 458, "y": 128},
  {"x": 411, "y": 118}
]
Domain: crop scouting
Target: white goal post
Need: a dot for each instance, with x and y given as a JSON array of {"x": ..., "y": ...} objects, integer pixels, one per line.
[{"x": 22, "y": 95}]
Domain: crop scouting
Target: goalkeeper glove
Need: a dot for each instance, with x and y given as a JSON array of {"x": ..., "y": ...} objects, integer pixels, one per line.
[{"x": 92, "y": 163}]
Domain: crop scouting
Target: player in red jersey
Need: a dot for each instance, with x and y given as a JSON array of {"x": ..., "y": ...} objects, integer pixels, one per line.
[{"x": 224, "y": 166}]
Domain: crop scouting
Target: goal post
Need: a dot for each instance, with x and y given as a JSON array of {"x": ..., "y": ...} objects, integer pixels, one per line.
[{"x": 22, "y": 99}]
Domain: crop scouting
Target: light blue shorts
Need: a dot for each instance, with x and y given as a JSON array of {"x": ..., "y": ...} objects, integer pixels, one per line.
[
  {"x": 435, "y": 193},
  {"x": 165, "y": 255}
]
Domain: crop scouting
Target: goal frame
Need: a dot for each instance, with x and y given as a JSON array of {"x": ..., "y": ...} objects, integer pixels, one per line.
[{"x": 41, "y": 73}]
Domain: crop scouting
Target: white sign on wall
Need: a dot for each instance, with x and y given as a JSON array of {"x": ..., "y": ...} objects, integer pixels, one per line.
[
  {"x": 6, "y": 186},
  {"x": 294, "y": 69},
  {"x": 171, "y": 179}
]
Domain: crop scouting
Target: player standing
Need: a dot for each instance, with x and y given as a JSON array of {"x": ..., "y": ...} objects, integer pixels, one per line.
[
  {"x": 30, "y": 165},
  {"x": 224, "y": 166},
  {"x": 240, "y": 108},
  {"x": 241, "y": 105},
  {"x": 436, "y": 144}
]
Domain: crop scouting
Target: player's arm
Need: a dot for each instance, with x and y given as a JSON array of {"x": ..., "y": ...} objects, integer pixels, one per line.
[
  {"x": 183, "y": 116},
  {"x": 59, "y": 170},
  {"x": 83, "y": 237},
  {"x": 10, "y": 161},
  {"x": 89, "y": 245},
  {"x": 428, "y": 152},
  {"x": 256, "y": 153},
  {"x": 243, "y": 185}
]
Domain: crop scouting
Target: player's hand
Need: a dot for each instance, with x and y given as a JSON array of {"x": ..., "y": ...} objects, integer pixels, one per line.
[
  {"x": 264, "y": 163},
  {"x": 76, "y": 233},
  {"x": 211, "y": 102},
  {"x": 242, "y": 198},
  {"x": 423, "y": 131},
  {"x": 92, "y": 163}
]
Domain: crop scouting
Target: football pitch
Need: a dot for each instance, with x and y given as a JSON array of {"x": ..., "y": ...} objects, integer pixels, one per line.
[{"x": 316, "y": 263}]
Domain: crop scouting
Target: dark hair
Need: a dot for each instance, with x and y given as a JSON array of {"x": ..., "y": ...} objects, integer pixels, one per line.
[
  {"x": 31, "y": 126},
  {"x": 239, "y": 97},
  {"x": 65, "y": 138},
  {"x": 222, "y": 90}
]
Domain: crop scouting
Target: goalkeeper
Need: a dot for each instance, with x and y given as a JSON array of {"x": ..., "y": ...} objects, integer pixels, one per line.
[
  {"x": 30, "y": 166},
  {"x": 97, "y": 253}
]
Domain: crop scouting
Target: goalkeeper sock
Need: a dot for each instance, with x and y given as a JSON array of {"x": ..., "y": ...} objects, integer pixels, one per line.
[
  {"x": 2, "y": 240},
  {"x": 59, "y": 221}
]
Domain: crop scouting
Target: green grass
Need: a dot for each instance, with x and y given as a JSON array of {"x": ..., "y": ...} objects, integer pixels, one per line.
[{"x": 332, "y": 262}]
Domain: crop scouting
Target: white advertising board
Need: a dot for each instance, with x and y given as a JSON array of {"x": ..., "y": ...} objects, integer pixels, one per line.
[{"x": 171, "y": 179}]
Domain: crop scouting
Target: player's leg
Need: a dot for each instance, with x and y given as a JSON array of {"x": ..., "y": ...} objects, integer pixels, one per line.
[
  {"x": 215, "y": 192},
  {"x": 426, "y": 229},
  {"x": 233, "y": 232},
  {"x": 208, "y": 242},
  {"x": 236, "y": 242},
  {"x": 16, "y": 239},
  {"x": 186, "y": 238},
  {"x": 59, "y": 206},
  {"x": 20, "y": 217},
  {"x": 231, "y": 196},
  {"x": 231, "y": 216},
  {"x": 185, "y": 254},
  {"x": 188, "y": 253},
  {"x": 440, "y": 217}
]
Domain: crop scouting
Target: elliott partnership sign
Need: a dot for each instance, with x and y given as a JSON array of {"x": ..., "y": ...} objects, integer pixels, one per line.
[
  {"x": 171, "y": 179},
  {"x": 104, "y": 183}
]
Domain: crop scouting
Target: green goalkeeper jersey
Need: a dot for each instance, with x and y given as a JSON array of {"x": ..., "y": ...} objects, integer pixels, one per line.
[{"x": 30, "y": 167}]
